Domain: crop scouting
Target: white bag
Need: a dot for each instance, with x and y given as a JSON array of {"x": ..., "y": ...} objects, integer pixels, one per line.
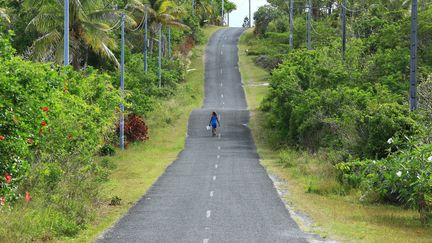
[{"x": 208, "y": 128}]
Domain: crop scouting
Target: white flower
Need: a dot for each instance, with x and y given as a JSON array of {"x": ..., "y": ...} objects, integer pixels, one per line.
[
  {"x": 390, "y": 141},
  {"x": 430, "y": 158},
  {"x": 399, "y": 173}
]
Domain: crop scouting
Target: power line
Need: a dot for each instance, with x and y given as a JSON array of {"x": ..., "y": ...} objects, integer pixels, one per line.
[
  {"x": 351, "y": 10},
  {"x": 140, "y": 25},
  {"x": 115, "y": 26},
  {"x": 413, "y": 61}
]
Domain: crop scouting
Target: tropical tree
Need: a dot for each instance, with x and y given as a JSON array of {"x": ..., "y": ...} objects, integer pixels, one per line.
[
  {"x": 160, "y": 12},
  {"x": 90, "y": 26},
  {"x": 4, "y": 15},
  {"x": 229, "y": 7}
]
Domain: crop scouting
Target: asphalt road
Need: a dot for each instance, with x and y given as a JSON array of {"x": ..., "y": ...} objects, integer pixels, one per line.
[{"x": 216, "y": 191}]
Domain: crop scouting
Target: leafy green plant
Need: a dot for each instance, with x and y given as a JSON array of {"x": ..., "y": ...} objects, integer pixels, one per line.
[
  {"x": 107, "y": 150},
  {"x": 405, "y": 178},
  {"x": 53, "y": 123}
]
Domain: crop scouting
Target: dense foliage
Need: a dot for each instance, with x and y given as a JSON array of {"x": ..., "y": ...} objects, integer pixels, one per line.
[
  {"x": 357, "y": 106},
  {"x": 55, "y": 121}
]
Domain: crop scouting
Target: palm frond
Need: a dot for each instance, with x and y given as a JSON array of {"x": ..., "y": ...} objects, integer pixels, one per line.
[
  {"x": 99, "y": 40},
  {"x": 45, "y": 22},
  {"x": 42, "y": 44},
  {"x": 4, "y": 15}
]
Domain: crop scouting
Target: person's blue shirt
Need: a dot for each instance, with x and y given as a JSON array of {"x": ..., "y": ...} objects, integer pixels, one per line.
[{"x": 214, "y": 121}]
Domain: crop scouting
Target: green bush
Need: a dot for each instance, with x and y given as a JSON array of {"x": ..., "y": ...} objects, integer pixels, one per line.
[
  {"x": 107, "y": 150},
  {"x": 142, "y": 90},
  {"x": 54, "y": 121},
  {"x": 405, "y": 178},
  {"x": 316, "y": 102}
]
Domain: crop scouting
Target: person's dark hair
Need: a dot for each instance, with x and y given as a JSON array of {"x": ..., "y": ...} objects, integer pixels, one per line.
[{"x": 214, "y": 113}]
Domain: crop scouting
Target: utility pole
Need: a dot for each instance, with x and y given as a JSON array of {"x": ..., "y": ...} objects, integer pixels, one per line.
[
  {"x": 169, "y": 41},
  {"x": 66, "y": 33},
  {"x": 160, "y": 56},
  {"x": 413, "y": 63},
  {"x": 343, "y": 29},
  {"x": 291, "y": 17},
  {"x": 228, "y": 22},
  {"x": 223, "y": 13},
  {"x": 122, "y": 145},
  {"x": 193, "y": 7},
  {"x": 309, "y": 18},
  {"x": 250, "y": 14},
  {"x": 145, "y": 40}
]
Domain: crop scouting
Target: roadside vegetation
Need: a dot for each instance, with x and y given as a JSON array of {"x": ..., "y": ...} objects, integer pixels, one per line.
[
  {"x": 61, "y": 171},
  {"x": 357, "y": 160}
]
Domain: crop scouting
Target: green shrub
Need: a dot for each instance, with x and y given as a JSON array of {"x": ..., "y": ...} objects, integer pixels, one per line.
[
  {"x": 53, "y": 123},
  {"x": 142, "y": 90},
  {"x": 107, "y": 150},
  {"x": 315, "y": 102},
  {"x": 405, "y": 178}
]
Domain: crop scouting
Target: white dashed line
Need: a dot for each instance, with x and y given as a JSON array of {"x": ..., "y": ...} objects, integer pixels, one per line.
[
  {"x": 222, "y": 96},
  {"x": 218, "y": 156},
  {"x": 208, "y": 214},
  {"x": 221, "y": 71},
  {"x": 211, "y": 193},
  {"x": 221, "y": 84},
  {"x": 214, "y": 178},
  {"x": 223, "y": 103},
  {"x": 216, "y": 166},
  {"x": 205, "y": 240},
  {"x": 221, "y": 53},
  {"x": 219, "y": 147}
]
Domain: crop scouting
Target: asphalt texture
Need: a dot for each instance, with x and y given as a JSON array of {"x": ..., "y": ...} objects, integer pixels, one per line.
[{"x": 216, "y": 191}]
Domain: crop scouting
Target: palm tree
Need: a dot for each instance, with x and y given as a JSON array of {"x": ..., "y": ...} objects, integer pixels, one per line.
[
  {"x": 229, "y": 7},
  {"x": 204, "y": 9},
  {"x": 4, "y": 15},
  {"x": 90, "y": 25},
  {"x": 163, "y": 12}
]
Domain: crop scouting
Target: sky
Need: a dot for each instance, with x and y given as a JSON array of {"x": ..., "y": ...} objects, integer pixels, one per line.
[{"x": 237, "y": 16}]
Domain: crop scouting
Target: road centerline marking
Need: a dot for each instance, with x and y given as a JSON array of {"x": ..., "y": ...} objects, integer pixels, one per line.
[
  {"x": 208, "y": 213},
  {"x": 214, "y": 178},
  {"x": 216, "y": 166},
  {"x": 218, "y": 156},
  {"x": 205, "y": 240},
  {"x": 211, "y": 193}
]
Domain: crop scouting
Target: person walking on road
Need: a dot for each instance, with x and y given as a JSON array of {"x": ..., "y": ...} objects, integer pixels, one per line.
[{"x": 214, "y": 122}]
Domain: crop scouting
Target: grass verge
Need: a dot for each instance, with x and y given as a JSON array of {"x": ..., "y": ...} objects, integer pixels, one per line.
[
  {"x": 141, "y": 164},
  {"x": 336, "y": 213}
]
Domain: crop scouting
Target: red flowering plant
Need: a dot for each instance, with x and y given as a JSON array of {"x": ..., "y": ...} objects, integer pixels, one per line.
[
  {"x": 41, "y": 124},
  {"x": 135, "y": 128}
]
